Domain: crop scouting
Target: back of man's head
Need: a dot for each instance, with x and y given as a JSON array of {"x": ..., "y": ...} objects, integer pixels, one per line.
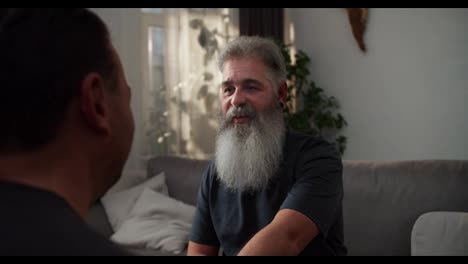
[{"x": 44, "y": 55}]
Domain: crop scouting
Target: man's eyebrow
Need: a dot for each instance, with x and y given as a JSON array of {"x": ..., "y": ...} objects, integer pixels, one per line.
[
  {"x": 243, "y": 82},
  {"x": 227, "y": 83},
  {"x": 251, "y": 81}
]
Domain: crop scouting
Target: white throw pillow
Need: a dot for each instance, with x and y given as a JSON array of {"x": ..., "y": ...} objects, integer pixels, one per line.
[
  {"x": 440, "y": 234},
  {"x": 118, "y": 204},
  {"x": 157, "y": 222},
  {"x": 128, "y": 180}
]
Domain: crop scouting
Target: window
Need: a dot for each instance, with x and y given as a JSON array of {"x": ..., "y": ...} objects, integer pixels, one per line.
[{"x": 181, "y": 81}]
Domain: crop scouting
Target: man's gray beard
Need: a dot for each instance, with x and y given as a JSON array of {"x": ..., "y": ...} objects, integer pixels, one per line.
[{"x": 248, "y": 155}]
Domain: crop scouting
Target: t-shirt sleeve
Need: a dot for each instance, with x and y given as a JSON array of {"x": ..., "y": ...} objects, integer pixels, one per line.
[
  {"x": 318, "y": 190},
  {"x": 202, "y": 227}
]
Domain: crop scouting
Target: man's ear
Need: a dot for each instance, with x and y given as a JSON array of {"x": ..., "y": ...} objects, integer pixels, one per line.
[
  {"x": 93, "y": 103},
  {"x": 283, "y": 92}
]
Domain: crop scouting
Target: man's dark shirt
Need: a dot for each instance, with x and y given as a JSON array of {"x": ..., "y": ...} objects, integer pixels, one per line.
[
  {"x": 309, "y": 180},
  {"x": 35, "y": 222}
]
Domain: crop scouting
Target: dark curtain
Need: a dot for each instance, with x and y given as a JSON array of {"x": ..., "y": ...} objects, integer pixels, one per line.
[{"x": 265, "y": 22}]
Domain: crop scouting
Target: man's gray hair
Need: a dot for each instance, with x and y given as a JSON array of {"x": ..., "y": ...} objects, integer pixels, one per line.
[{"x": 260, "y": 48}]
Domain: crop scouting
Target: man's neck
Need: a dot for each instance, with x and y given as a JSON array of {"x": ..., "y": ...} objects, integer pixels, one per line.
[{"x": 51, "y": 171}]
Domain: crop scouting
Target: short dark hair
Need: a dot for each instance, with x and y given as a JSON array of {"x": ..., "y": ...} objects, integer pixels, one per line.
[{"x": 44, "y": 55}]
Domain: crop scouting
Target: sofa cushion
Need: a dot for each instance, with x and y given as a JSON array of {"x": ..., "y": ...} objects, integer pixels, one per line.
[
  {"x": 98, "y": 221},
  {"x": 440, "y": 234}
]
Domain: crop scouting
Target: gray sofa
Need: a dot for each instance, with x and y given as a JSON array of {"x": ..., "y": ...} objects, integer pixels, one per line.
[{"x": 382, "y": 199}]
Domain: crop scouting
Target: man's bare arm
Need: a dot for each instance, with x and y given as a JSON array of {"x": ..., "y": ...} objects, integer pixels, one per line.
[
  {"x": 287, "y": 235},
  {"x": 196, "y": 249}
]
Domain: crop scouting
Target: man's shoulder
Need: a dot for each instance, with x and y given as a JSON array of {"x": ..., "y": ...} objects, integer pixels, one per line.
[
  {"x": 93, "y": 244},
  {"x": 210, "y": 167},
  {"x": 29, "y": 226},
  {"x": 306, "y": 144},
  {"x": 209, "y": 172},
  {"x": 59, "y": 243}
]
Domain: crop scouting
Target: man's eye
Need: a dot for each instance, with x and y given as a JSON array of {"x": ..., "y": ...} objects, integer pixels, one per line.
[
  {"x": 228, "y": 90},
  {"x": 251, "y": 88}
]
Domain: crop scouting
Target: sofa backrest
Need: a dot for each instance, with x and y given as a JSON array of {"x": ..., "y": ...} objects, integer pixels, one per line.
[
  {"x": 182, "y": 176},
  {"x": 382, "y": 199}
]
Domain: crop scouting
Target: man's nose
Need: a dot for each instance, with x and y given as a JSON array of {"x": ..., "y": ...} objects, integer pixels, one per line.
[{"x": 238, "y": 98}]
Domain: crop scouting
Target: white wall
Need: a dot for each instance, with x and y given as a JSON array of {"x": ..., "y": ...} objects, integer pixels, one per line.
[
  {"x": 405, "y": 98},
  {"x": 125, "y": 27}
]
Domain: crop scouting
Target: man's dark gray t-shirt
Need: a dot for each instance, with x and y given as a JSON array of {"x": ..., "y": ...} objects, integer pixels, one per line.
[
  {"x": 37, "y": 222},
  {"x": 309, "y": 180}
]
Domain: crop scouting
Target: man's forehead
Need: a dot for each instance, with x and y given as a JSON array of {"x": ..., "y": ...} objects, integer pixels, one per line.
[
  {"x": 242, "y": 81},
  {"x": 242, "y": 76},
  {"x": 240, "y": 70}
]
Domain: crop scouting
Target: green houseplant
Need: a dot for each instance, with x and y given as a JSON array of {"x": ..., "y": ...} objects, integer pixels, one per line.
[{"x": 308, "y": 109}]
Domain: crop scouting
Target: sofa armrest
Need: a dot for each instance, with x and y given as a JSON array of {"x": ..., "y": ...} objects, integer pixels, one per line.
[{"x": 97, "y": 220}]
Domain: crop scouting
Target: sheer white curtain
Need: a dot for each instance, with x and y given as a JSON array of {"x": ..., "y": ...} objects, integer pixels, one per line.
[
  {"x": 181, "y": 103},
  {"x": 169, "y": 57}
]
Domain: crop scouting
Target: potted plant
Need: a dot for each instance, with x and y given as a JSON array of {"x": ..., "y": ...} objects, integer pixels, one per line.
[{"x": 308, "y": 109}]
